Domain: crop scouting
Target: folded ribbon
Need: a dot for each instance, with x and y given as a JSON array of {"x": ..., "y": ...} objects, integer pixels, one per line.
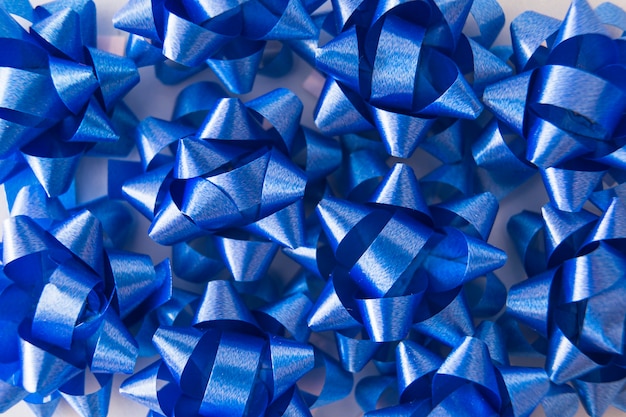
[
  {"x": 228, "y": 363},
  {"x": 232, "y": 178},
  {"x": 474, "y": 378},
  {"x": 400, "y": 265}
]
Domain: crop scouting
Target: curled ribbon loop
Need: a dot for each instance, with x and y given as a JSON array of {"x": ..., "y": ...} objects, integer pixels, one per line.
[
  {"x": 229, "y": 363},
  {"x": 575, "y": 304},
  {"x": 399, "y": 67},
  {"x": 233, "y": 38},
  {"x": 232, "y": 182},
  {"x": 66, "y": 94},
  {"x": 567, "y": 101},
  {"x": 71, "y": 301}
]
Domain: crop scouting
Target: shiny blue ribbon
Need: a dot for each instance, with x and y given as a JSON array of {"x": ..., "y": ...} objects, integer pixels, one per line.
[
  {"x": 573, "y": 298},
  {"x": 398, "y": 68},
  {"x": 65, "y": 95},
  {"x": 232, "y": 185},
  {"x": 229, "y": 37},
  {"x": 399, "y": 266},
  {"x": 567, "y": 100},
  {"x": 68, "y": 301},
  {"x": 475, "y": 377},
  {"x": 232, "y": 361}
]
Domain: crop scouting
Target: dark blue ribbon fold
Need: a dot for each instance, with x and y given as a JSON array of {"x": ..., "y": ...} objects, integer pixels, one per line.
[
  {"x": 475, "y": 377},
  {"x": 236, "y": 182},
  {"x": 231, "y": 363},
  {"x": 399, "y": 265}
]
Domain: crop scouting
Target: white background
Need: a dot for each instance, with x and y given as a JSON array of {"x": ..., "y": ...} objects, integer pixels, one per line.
[{"x": 151, "y": 98}]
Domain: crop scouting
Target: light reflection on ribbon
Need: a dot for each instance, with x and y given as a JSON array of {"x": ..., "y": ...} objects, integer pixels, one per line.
[
  {"x": 67, "y": 302},
  {"x": 399, "y": 67},
  {"x": 567, "y": 100},
  {"x": 230, "y": 362},
  {"x": 230, "y": 37},
  {"x": 65, "y": 95},
  {"x": 236, "y": 181},
  {"x": 573, "y": 298}
]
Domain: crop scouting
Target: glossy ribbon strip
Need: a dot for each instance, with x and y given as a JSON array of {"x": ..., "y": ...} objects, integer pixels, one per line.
[
  {"x": 230, "y": 362},
  {"x": 475, "y": 377},
  {"x": 400, "y": 266},
  {"x": 232, "y": 181}
]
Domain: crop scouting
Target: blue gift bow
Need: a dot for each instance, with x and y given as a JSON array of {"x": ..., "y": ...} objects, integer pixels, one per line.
[
  {"x": 567, "y": 99},
  {"x": 365, "y": 88},
  {"x": 64, "y": 93},
  {"x": 228, "y": 363},
  {"x": 372, "y": 297},
  {"x": 228, "y": 37},
  {"x": 224, "y": 155},
  {"x": 475, "y": 377},
  {"x": 69, "y": 297},
  {"x": 575, "y": 292}
]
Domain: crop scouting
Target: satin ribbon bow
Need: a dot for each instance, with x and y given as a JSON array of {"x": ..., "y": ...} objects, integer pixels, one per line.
[
  {"x": 232, "y": 361},
  {"x": 64, "y": 95},
  {"x": 573, "y": 299},
  {"x": 66, "y": 304},
  {"x": 232, "y": 179},
  {"x": 230, "y": 37},
  {"x": 568, "y": 99},
  {"x": 400, "y": 67},
  {"x": 398, "y": 265}
]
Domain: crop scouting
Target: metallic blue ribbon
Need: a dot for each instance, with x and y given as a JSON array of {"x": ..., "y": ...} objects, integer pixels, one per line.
[
  {"x": 400, "y": 266},
  {"x": 230, "y": 37},
  {"x": 68, "y": 301},
  {"x": 230, "y": 362},
  {"x": 567, "y": 100},
  {"x": 398, "y": 68},
  {"x": 573, "y": 298},
  {"x": 239, "y": 159},
  {"x": 475, "y": 377},
  {"x": 65, "y": 95}
]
